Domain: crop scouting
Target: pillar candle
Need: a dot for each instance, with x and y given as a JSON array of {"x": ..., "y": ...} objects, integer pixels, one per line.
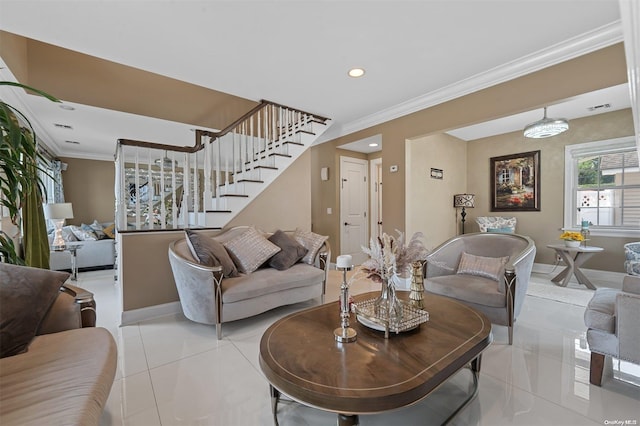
[{"x": 344, "y": 261}]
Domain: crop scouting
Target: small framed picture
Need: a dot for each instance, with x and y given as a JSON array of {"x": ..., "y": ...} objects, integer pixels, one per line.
[{"x": 515, "y": 182}]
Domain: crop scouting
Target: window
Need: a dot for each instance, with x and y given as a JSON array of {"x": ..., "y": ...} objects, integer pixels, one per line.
[{"x": 602, "y": 181}]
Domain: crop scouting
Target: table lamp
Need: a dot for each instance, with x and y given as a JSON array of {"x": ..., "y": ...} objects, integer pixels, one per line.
[
  {"x": 463, "y": 200},
  {"x": 57, "y": 213}
]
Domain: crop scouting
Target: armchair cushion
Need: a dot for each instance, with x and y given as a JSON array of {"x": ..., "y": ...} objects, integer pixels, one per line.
[
  {"x": 600, "y": 313},
  {"x": 631, "y": 284},
  {"x": 488, "y": 267},
  {"x": 468, "y": 288},
  {"x": 26, "y": 294}
]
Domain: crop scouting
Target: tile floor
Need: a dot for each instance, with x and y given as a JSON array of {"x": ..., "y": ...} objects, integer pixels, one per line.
[{"x": 172, "y": 371}]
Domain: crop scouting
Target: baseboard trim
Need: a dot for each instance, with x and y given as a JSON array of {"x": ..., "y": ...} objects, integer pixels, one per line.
[
  {"x": 614, "y": 278},
  {"x": 150, "y": 312}
]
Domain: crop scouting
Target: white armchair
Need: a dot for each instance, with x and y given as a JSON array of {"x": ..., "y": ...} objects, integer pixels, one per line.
[
  {"x": 612, "y": 317},
  {"x": 497, "y": 224}
]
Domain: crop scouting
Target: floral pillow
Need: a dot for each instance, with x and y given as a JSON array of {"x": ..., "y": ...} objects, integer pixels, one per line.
[{"x": 83, "y": 234}]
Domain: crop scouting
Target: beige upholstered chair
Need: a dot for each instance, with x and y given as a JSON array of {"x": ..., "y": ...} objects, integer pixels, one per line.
[
  {"x": 496, "y": 224},
  {"x": 488, "y": 271},
  {"x": 612, "y": 318}
]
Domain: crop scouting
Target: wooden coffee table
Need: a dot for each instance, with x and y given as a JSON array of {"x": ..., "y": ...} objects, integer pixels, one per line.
[{"x": 301, "y": 358}]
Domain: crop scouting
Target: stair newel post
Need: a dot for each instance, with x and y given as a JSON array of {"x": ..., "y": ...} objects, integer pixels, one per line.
[
  {"x": 150, "y": 190},
  {"x": 207, "y": 195},
  {"x": 136, "y": 187},
  {"x": 163, "y": 210},
  {"x": 186, "y": 198},
  {"x": 174, "y": 192},
  {"x": 196, "y": 188}
]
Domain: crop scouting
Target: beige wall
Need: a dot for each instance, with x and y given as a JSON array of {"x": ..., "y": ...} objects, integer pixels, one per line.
[
  {"x": 597, "y": 70},
  {"x": 89, "y": 185},
  {"x": 544, "y": 226},
  {"x": 147, "y": 279},
  {"x": 429, "y": 201}
]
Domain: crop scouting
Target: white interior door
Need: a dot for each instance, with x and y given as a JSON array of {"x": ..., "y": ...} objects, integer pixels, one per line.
[{"x": 354, "y": 201}]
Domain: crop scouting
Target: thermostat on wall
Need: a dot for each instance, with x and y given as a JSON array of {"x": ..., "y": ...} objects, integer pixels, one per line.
[{"x": 393, "y": 168}]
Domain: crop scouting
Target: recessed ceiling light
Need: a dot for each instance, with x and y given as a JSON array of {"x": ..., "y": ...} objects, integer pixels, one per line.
[
  {"x": 356, "y": 72},
  {"x": 373, "y": 144},
  {"x": 67, "y": 107}
]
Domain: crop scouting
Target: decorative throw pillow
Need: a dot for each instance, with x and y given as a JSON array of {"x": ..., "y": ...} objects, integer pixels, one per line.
[
  {"x": 89, "y": 230},
  {"x": 67, "y": 234},
  {"x": 505, "y": 230},
  {"x": 250, "y": 249},
  {"x": 311, "y": 241},
  {"x": 83, "y": 235},
  {"x": 26, "y": 294},
  {"x": 109, "y": 231},
  {"x": 97, "y": 228},
  {"x": 488, "y": 267},
  {"x": 210, "y": 252},
  {"x": 290, "y": 251}
]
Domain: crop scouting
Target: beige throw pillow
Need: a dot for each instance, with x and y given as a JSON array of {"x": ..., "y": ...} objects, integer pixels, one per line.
[
  {"x": 311, "y": 241},
  {"x": 250, "y": 250},
  {"x": 487, "y": 267}
]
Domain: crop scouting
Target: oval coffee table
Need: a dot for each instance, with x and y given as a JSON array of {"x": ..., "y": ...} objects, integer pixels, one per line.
[{"x": 301, "y": 358}]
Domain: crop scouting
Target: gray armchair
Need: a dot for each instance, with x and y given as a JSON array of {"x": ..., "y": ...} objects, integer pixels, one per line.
[
  {"x": 612, "y": 317},
  {"x": 489, "y": 272}
]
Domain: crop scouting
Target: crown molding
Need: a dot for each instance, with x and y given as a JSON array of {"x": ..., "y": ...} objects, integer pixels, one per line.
[{"x": 591, "y": 41}]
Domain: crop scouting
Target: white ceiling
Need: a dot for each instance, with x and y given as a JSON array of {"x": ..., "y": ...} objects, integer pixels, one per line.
[{"x": 416, "y": 53}]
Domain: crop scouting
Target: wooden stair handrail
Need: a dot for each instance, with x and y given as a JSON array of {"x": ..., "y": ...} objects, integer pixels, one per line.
[{"x": 214, "y": 135}]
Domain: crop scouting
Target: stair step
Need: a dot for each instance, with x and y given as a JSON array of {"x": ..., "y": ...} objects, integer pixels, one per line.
[
  {"x": 305, "y": 131},
  {"x": 265, "y": 167},
  {"x": 235, "y": 195},
  {"x": 275, "y": 154},
  {"x": 293, "y": 143},
  {"x": 218, "y": 211},
  {"x": 242, "y": 181}
]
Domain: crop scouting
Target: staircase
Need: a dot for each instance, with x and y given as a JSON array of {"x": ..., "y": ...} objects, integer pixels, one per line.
[{"x": 162, "y": 186}]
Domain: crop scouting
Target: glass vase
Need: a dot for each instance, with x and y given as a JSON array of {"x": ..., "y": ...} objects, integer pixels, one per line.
[{"x": 387, "y": 306}]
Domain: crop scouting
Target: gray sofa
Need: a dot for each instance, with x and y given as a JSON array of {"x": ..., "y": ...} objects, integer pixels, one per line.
[
  {"x": 56, "y": 367},
  {"x": 209, "y": 298},
  {"x": 98, "y": 254}
]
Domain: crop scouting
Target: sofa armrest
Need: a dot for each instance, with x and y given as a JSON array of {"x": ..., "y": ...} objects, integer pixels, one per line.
[
  {"x": 631, "y": 284},
  {"x": 627, "y": 320},
  {"x": 73, "y": 308},
  {"x": 84, "y": 299}
]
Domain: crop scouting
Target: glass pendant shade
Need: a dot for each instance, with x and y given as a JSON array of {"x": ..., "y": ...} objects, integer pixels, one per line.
[{"x": 546, "y": 127}]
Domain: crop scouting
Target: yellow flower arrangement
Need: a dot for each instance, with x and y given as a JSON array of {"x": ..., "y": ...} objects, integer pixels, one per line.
[{"x": 571, "y": 236}]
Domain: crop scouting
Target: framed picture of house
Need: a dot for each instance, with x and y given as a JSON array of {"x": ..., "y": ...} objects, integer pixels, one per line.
[{"x": 515, "y": 182}]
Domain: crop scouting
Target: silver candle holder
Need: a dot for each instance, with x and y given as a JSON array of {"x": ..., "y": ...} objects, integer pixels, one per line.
[{"x": 344, "y": 333}]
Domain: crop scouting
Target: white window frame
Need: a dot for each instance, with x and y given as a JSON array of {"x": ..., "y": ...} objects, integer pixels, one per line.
[{"x": 571, "y": 154}]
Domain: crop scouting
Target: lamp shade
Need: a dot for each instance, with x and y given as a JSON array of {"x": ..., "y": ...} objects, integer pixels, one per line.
[
  {"x": 58, "y": 211},
  {"x": 464, "y": 200}
]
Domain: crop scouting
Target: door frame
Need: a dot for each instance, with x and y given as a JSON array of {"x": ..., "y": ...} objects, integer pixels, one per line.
[{"x": 375, "y": 197}]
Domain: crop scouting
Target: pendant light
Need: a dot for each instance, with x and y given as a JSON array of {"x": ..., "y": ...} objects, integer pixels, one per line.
[{"x": 546, "y": 127}]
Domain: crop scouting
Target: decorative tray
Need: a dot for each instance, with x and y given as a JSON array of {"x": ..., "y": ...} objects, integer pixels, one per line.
[{"x": 412, "y": 317}]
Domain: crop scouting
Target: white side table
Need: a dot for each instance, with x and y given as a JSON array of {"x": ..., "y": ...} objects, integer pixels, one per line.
[{"x": 574, "y": 257}]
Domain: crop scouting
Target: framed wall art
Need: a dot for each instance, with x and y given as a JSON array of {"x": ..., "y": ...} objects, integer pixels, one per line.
[{"x": 515, "y": 182}]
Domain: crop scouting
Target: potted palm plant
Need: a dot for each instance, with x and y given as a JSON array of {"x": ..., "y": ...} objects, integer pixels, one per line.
[{"x": 18, "y": 169}]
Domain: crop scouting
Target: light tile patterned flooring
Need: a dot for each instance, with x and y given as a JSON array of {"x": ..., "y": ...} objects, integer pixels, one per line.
[{"x": 172, "y": 371}]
